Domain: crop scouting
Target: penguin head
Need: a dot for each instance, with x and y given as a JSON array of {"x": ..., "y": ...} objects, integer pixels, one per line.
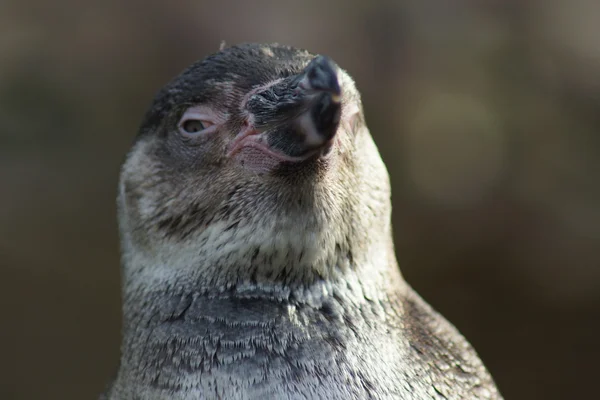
[{"x": 255, "y": 162}]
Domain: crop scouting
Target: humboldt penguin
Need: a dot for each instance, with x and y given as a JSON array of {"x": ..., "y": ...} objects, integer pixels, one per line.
[{"x": 257, "y": 255}]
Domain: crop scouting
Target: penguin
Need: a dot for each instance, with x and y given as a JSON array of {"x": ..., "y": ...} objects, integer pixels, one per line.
[{"x": 257, "y": 255}]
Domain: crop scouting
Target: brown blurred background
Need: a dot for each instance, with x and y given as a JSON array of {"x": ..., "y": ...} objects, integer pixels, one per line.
[{"x": 487, "y": 113}]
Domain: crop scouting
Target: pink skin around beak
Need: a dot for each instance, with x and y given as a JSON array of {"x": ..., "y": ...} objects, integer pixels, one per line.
[{"x": 290, "y": 120}]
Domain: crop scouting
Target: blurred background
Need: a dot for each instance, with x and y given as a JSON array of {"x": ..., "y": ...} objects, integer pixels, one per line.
[{"x": 486, "y": 112}]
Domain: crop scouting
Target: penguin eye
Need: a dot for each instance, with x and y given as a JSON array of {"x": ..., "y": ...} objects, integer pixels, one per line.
[
  {"x": 195, "y": 123},
  {"x": 192, "y": 126}
]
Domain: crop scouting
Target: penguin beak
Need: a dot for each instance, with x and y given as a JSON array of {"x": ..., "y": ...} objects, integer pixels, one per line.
[
  {"x": 298, "y": 117},
  {"x": 320, "y": 82}
]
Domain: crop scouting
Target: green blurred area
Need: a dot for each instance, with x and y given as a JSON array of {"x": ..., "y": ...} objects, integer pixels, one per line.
[{"x": 486, "y": 112}]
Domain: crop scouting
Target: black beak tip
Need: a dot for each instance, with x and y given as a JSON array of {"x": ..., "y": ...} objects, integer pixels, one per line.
[{"x": 322, "y": 74}]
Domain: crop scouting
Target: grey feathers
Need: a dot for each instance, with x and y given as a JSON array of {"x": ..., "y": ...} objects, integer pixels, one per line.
[{"x": 257, "y": 254}]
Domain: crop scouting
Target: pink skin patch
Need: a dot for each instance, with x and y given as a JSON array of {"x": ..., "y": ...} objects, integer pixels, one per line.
[
  {"x": 252, "y": 150},
  {"x": 250, "y": 146},
  {"x": 250, "y": 137}
]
